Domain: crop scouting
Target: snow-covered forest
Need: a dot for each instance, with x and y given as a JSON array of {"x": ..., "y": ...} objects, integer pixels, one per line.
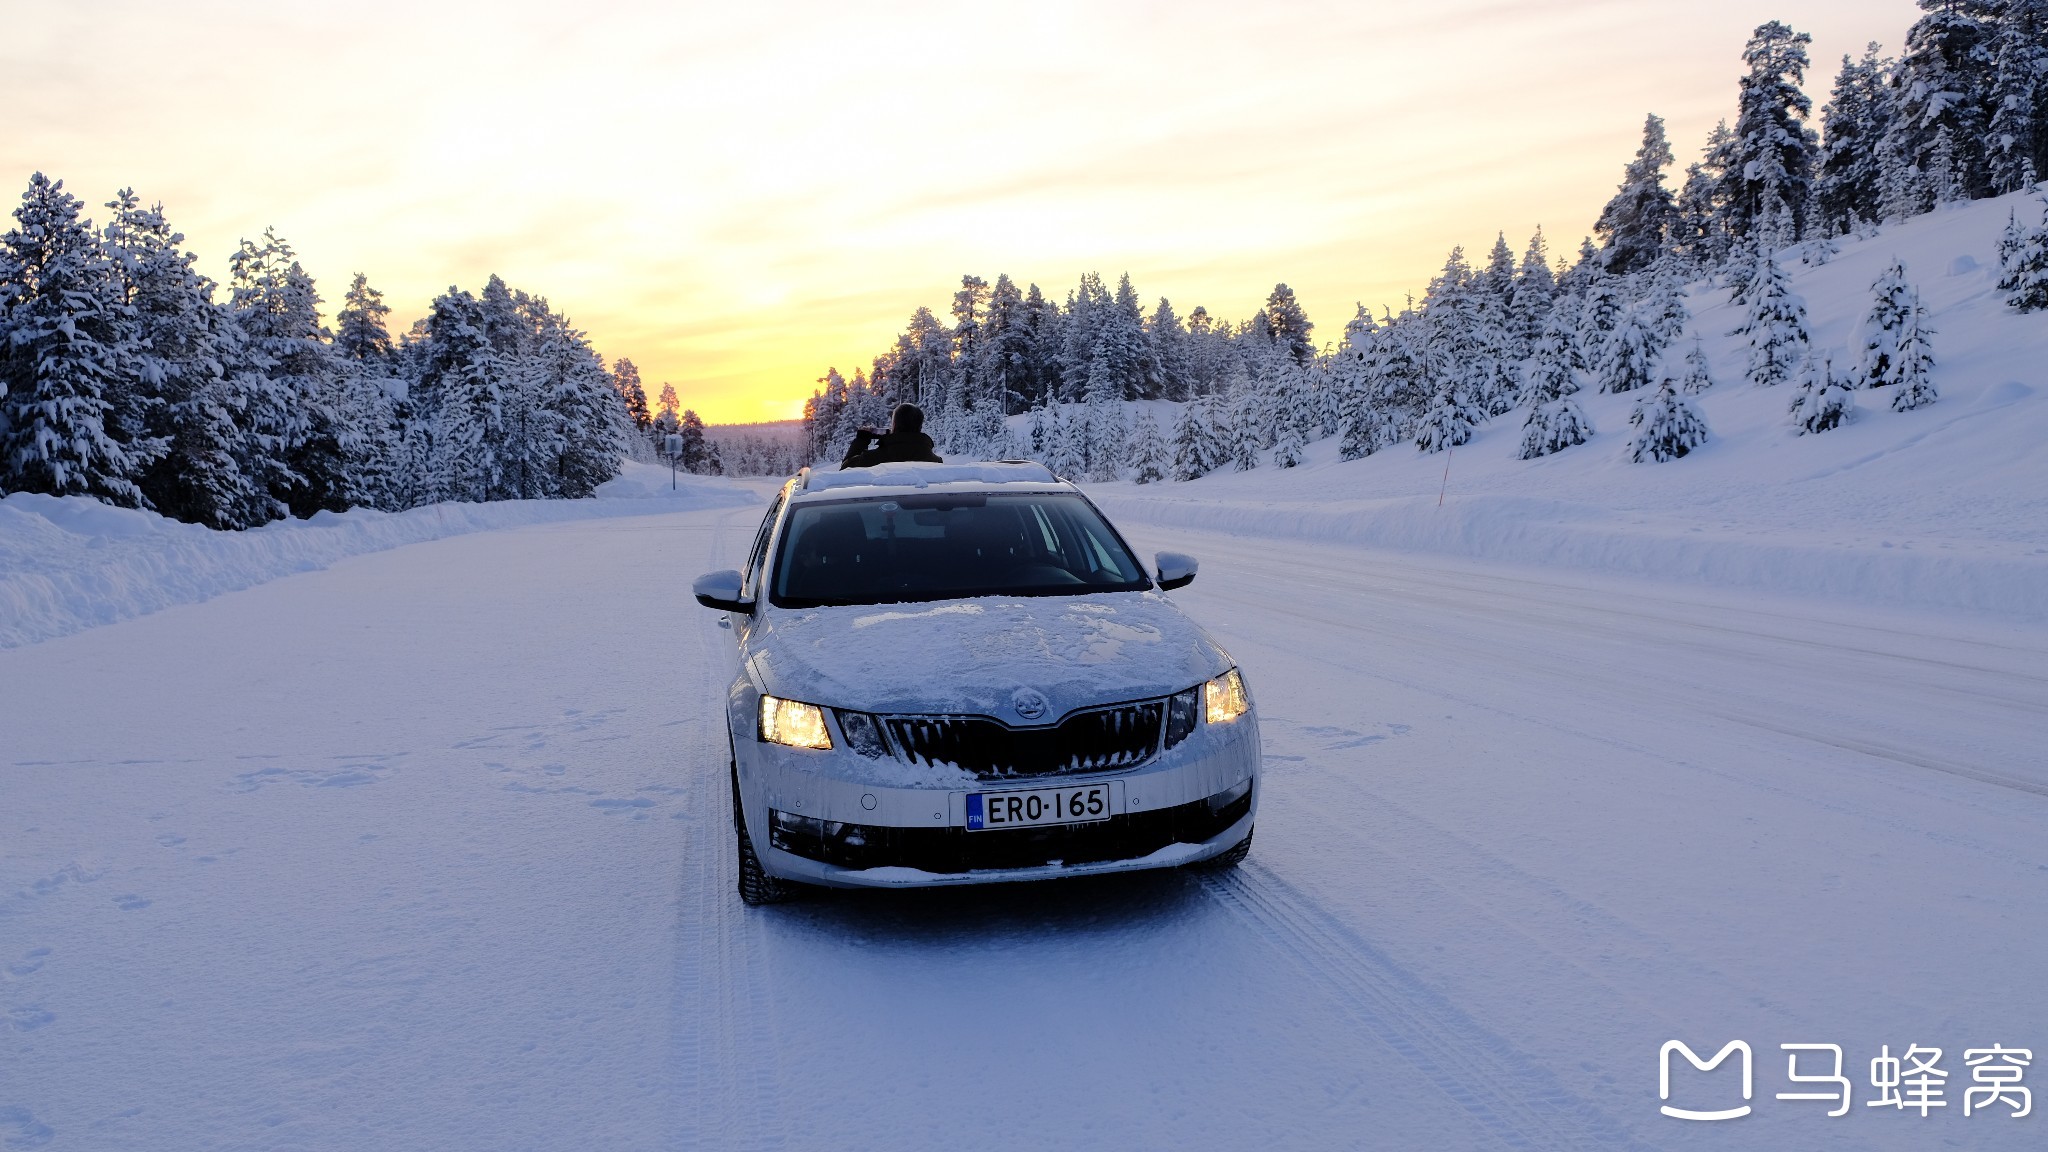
[
  {"x": 1960, "y": 114},
  {"x": 123, "y": 377}
]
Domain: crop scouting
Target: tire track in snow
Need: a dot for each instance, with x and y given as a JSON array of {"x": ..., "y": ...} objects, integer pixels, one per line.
[
  {"x": 1508, "y": 1093},
  {"x": 1896, "y": 756},
  {"x": 727, "y": 1041}
]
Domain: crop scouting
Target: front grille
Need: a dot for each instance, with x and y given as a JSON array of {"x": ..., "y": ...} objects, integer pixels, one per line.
[
  {"x": 1104, "y": 740},
  {"x": 956, "y": 850}
]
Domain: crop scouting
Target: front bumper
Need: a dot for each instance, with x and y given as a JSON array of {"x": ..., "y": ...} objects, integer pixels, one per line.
[{"x": 812, "y": 820}]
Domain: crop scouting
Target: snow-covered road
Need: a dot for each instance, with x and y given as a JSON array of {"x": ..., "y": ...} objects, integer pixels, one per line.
[{"x": 430, "y": 850}]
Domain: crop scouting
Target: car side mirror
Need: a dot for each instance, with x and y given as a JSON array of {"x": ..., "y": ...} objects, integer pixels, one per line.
[
  {"x": 721, "y": 590},
  {"x": 1176, "y": 570}
]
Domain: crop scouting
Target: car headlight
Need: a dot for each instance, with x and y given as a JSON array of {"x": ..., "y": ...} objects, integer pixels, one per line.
[
  {"x": 1225, "y": 699},
  {"x": 794, "y": 723}
]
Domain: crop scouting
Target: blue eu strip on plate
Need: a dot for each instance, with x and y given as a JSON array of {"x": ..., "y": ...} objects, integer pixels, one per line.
[{"x": 974, "y": 812}]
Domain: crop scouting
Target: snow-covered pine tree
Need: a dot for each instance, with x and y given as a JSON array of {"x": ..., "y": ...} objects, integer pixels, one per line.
[
  {"x": 1190, "y": 441},
  {"x": 1821, "y": 401},
  {"x": 1107, "y": 437},
  {"x": 461, "y": 403},
  {"x": 1250, "y": 422},
  {"x": 1492, "y": 359},
  {"x": 1745, "y": 259},
  {"x": 1702, "y": 229},
  {"x": 1062, "y": 450},
  {"x": 1293, "y": 418},
  {"x": 1854, "y": 123},
  {"x": 1774, "y": 147},
  {"x": 1325, "y": 412},
  {"x": 1633, "y": 226},
  {"x": 1073, "y": 441},
  {"x": 1882, "y": 328},
  {"x": 360, "y": 328},
  {"x": 1555, "y": 421},
  {"x": 2016, "y": 129},
  {"x": 1036, "y": 444},
  {"x": 372, "y": 441},
  {"x": 1496, "y": 282},
  {"x": 1915, "y": 357},
  {"x": 1776, "y": 327},
  {"x": 1348, "y": 389},
  {"x": 1360, "y": 436},
  {"x": 1302, "y": 391},
  {"x": 66, "y": 338},
  {"x": 1667, "y": 426},
  {"x": 2025, "y": 276},
  {"x": 277, "y": 306},
  {"x": 1630, "y": 354},
  {"x": 134, "y": 393},
  {"x": 1289, "y": 324},
  {"x": 1573, "y": 279},
  {"x": 986, "y": 428},
  {"x": 2010, "y": 242},
  {"x": 590, "y": 413},
  {"x": 1170, "y": 350},
  {"x": 1698, "y": 373},
  {"x": 1902, "y": 189},
  {"x": 818, "y": 425},
  {"x": 535, "y": 435},
  {"x": 1535, "y": 291},
  {"x": 1945, "y": 176},
  {"x": 699, "y": 454},
  {"x": 1147, "y": 450},
  {"x": 1599, "y": 314},
  {"x": 184, "y": 343},
  {"x": 1665, "y": 307},
  {"x": 1450, "y": 418},
  {"x": 1397, "y": 374},
  {"x": 626, "y": 378},
  {"x": 1943, "y": 82}
]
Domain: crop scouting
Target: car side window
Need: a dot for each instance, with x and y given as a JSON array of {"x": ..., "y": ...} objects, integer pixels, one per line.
[{"x": 754, "y": 558}]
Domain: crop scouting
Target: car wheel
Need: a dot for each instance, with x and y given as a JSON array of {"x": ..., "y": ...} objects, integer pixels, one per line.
[
  {"x": 1225, "y": 861},
  {"x": 756, "y": 886}
]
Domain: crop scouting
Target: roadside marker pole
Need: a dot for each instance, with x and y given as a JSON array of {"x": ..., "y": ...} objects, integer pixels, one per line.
[{"x": 1447, "y": 477}]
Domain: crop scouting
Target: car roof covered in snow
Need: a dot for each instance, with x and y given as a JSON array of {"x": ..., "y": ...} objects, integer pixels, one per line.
[{"x": 884, "y": 478}]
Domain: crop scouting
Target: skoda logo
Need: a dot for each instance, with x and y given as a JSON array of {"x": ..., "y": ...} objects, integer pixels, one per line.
[{"x": 1030, "y": 704}]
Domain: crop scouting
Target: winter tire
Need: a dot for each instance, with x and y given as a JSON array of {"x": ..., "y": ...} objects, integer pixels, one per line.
[{"x": 756, "y": 886}]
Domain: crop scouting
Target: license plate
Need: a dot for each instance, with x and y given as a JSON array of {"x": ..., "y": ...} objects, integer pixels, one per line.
[{"x": 987, "y": 811}]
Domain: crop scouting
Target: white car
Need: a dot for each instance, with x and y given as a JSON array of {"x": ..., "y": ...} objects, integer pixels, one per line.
[{"x": 959, "y": 673}]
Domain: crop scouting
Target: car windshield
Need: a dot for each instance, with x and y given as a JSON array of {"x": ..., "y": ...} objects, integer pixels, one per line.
[{"x": 946, "y": 546}]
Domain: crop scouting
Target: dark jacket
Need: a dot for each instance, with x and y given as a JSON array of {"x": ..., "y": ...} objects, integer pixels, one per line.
[{"x": 889, "y": 448}]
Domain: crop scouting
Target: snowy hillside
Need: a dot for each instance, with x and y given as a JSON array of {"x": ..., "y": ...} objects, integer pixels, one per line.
[{"x": 1946, "y": 505}]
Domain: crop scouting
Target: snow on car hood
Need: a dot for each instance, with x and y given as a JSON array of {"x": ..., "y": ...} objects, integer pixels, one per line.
[{"x": 976, "y": 656}]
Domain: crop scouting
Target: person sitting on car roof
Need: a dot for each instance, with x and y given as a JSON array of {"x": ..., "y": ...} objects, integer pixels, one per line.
[{"x": 904, "y": 442}]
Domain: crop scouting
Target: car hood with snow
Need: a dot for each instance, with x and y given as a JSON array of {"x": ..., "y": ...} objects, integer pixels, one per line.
[{"x": 972, "y": 657}]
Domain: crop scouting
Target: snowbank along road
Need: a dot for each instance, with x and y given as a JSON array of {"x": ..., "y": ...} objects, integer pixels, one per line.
[{"x": 431, "y": 849}]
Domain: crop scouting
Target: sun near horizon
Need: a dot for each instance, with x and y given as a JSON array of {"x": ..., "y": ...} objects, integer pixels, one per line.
[{"x": 738, "y": 200}]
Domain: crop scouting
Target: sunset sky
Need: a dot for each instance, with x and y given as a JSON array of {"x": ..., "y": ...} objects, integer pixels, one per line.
[{"x": 738, "y": 196}]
